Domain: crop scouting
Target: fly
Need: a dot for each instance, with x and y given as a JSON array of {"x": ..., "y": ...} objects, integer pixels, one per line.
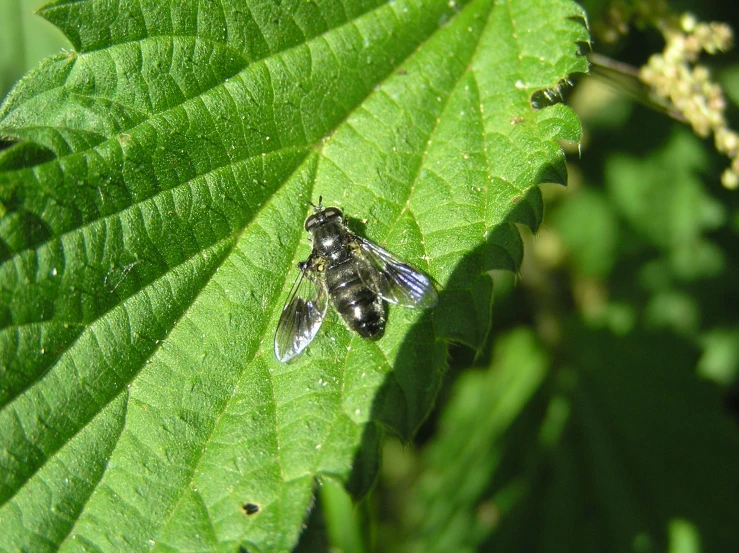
[{"x": 357, "y": 275}]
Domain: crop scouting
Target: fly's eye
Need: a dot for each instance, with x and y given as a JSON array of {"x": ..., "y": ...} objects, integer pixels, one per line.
[
  {"x": 312, "y": 221},
  {"x": 332, "y": 212}
]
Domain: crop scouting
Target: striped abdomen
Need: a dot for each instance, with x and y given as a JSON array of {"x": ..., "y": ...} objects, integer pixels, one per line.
[{"x": 360, "y": 307}]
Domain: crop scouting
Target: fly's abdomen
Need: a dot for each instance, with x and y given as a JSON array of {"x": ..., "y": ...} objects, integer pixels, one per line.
[{"x": 360, "y": 307}]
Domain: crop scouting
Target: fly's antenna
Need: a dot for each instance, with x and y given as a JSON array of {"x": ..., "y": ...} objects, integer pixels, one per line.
[{"x": 318, "y": 207}]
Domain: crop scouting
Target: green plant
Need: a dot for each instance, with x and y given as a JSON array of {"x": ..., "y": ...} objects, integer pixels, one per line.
[
  {"x": 153, "y": 186},
  {"x": 152, "y": 207}
]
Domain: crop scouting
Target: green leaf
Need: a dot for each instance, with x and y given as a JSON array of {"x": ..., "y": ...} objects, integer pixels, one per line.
[
  {"x": 449, "y": 509},
  {"x": 662, "y": 197},
  {"x": 152, "y": 209}
]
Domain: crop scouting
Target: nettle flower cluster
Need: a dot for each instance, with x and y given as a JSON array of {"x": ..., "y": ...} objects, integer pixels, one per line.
[{"x": 675, "y": 75}]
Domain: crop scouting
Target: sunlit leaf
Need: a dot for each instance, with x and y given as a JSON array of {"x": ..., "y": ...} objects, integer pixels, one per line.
[{"x": 152, "y": 206}]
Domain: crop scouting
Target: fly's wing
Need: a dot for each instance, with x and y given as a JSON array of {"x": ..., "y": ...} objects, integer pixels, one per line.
[
  {"x": 396, "y": 281},
  {"x": 302, "y": 315}
]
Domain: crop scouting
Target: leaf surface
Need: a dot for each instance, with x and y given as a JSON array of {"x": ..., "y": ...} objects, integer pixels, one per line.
[{"x": 152, "y": 209}]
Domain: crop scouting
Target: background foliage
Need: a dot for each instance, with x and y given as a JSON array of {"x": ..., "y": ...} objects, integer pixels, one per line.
[
  {"x": 599, "y": 415},
  {"x": 627, "y": 301}
]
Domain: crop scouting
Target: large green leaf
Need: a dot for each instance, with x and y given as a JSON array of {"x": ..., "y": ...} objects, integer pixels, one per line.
[{"x": 152, "y": 209}]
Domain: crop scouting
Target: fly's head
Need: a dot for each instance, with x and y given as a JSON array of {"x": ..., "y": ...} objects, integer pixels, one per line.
[{"x": 322, "y": 215}]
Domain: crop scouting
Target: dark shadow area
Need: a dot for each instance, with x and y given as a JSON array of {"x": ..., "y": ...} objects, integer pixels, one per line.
[
  {"x": 632, "y": 459},
  {"x": 314, "y": 538},
  {"x": 22, "y": 155}
]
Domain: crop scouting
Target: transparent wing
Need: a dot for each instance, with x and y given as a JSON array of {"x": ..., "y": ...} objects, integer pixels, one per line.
[
  {"x": 396, "y": 281},
  {"x": 302, "y": 315}
]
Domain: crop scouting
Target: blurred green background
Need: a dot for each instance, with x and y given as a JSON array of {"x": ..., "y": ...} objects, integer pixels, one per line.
[
  {"x": 603, "y": 414},
  {"x": 25, "y": 39}
]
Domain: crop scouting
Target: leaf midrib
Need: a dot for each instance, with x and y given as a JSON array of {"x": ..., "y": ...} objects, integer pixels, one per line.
[
  {"x": 360, "y": 103},
  {"x": 319, "y": 142},
  {"x": 278, "y": 291}
]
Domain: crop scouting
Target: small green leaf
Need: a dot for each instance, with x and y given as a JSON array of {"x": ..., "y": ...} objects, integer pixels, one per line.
[
  {"x": 448, "y": 509},
  {"x": 152, "y": 208},
  {"x": 662, "y": 196}
]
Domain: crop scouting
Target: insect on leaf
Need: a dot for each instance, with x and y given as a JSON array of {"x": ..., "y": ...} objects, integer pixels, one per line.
[{"x": 152, "y": 197}]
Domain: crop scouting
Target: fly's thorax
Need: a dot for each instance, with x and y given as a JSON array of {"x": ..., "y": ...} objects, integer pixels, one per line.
[{"x": 330, "y": 239}]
